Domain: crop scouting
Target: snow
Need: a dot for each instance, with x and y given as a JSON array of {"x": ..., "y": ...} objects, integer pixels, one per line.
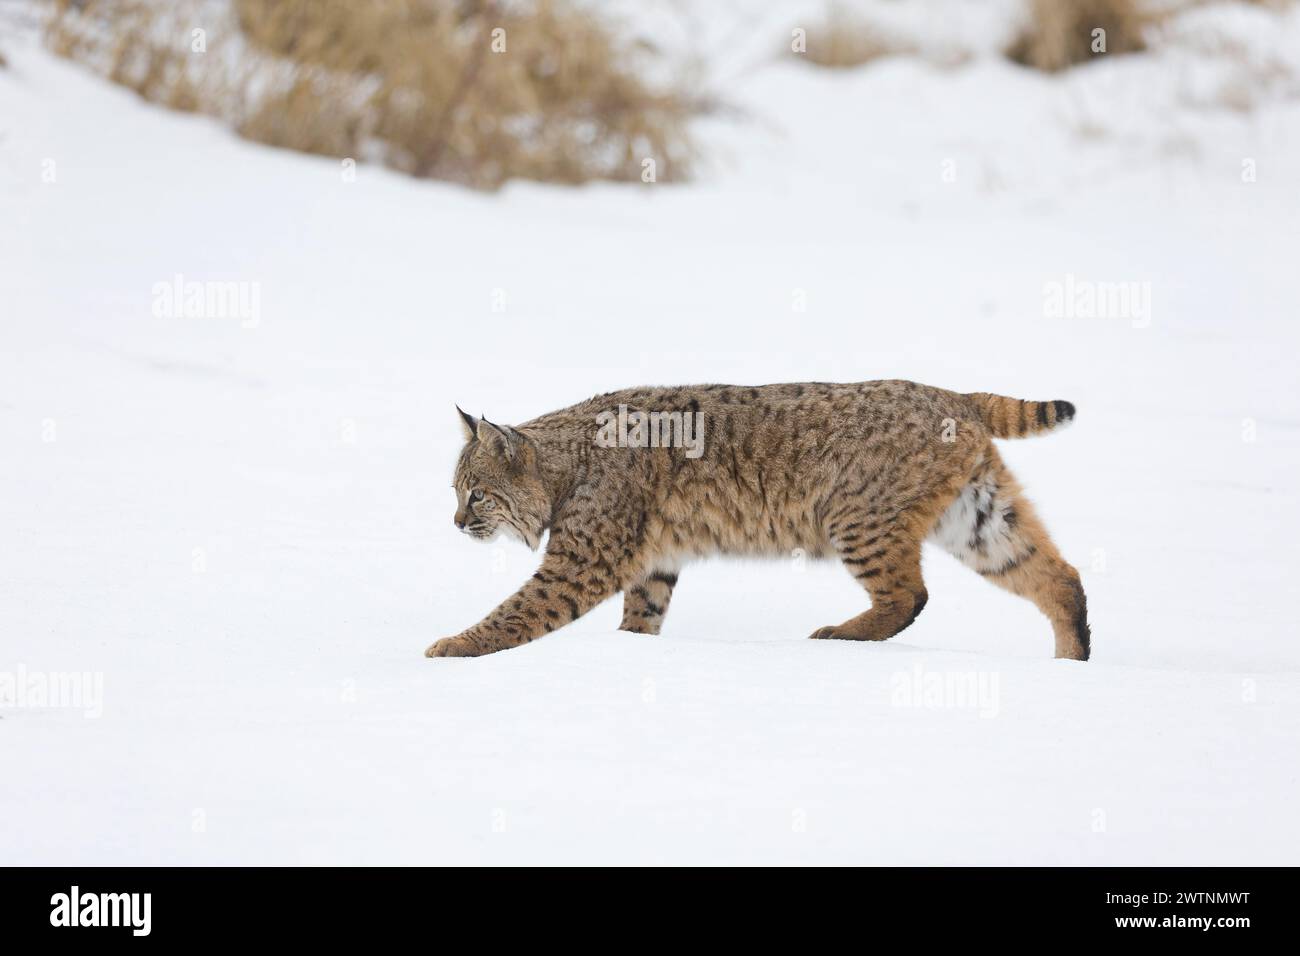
[{"x": 245, "y": 527}]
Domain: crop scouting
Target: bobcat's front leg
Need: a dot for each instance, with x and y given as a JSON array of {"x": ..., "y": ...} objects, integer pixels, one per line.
[
  {"x": 646, "y": 602},
  {"x": 565, "y": 587}
]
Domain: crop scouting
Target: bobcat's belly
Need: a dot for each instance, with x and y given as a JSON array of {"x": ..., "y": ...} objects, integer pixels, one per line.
[{"x": 709, "y": 532}]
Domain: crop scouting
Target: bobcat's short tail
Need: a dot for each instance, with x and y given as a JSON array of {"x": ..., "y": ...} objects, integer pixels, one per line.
[{"x": 1012, "y": 418}]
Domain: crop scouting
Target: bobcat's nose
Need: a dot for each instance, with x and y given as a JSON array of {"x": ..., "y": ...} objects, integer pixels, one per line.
[{"x": 460, "y": 525}]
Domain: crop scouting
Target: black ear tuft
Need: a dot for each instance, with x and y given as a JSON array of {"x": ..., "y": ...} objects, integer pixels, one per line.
[{"x": 470, "y": 423}]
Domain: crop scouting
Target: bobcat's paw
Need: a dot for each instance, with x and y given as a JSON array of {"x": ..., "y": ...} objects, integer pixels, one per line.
[
  {"x": 824, "y": 634},
  {"x": 452, "y": 647}
]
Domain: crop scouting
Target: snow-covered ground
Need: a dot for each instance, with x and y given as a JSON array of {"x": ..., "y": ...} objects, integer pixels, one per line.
[{"x": 242, "y": 526}]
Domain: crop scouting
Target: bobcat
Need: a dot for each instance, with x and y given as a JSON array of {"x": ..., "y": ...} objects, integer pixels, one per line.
[{"x": 863, "y": 472}]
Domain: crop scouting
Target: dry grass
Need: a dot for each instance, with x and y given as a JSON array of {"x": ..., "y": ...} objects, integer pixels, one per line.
[
  {"x": 473, "y": 91},
  {"x": 1058, "y": 33},
  {"x": 845, "y": 40},
  {"x": 121, "y": 40}
]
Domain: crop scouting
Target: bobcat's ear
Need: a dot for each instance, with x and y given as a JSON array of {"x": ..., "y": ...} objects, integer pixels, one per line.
[
  {"x": 500, "y": 440},
  {"x": 470, "y": 423}
]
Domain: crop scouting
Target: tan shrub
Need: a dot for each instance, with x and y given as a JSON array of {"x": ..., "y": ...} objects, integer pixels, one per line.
[
  {"x": 1059, "y": 33},
  {"x": 844, "y": 40},
  {"x": 472, "y": 91}
]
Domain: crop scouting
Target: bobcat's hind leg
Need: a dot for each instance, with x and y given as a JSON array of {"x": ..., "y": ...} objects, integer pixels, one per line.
[
  {"x": 877, "y": 529},
  {"x": 883, "y": 553},
  {"x": 992, "y": 529},
  {"x": 646, "y": 602},
  {"x": 890, "y": 569}
]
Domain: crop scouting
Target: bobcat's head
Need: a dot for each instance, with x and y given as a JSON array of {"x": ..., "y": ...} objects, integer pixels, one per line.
[{"x": 498, "y": 485}]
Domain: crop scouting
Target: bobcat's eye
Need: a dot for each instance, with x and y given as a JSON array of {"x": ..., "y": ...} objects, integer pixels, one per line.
[{"x": 476, "y": 494}]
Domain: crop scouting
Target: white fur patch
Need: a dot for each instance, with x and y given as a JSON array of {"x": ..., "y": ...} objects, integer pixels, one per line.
[{"x": 976, "y": 529}]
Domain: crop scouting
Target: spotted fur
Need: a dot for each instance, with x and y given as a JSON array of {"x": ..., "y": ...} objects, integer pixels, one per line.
[{"x": 862, "y": 472}]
